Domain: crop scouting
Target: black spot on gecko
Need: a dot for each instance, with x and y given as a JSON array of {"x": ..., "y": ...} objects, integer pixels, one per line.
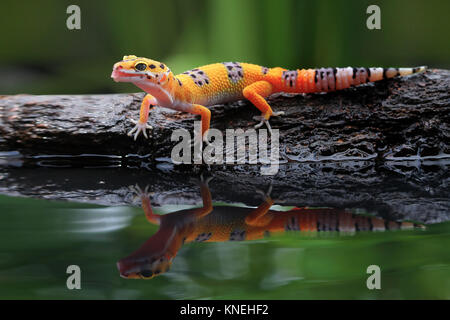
[
  {"x": 329, "y": 79},
  {"x": 235, "y": 71},
  {"x": 292, "y": 224},
  {"x": 290, "y": 77},
  {"x": 237, "y": 235},
  {"x": 369, "y": 220},
  {"x": 152, "y": 66},
  {"x": 201, "y": 78},
  {"x": 162, "y": 66},
  {"x": 334, "y": 76},
  {"x": 203, "y": 237}
]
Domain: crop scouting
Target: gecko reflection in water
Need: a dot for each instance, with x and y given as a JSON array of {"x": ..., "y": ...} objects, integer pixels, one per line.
[{"x": 232, "y": 223}]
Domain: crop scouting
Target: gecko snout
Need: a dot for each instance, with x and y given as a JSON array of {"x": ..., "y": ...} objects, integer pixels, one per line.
[{"x": 118, "y": 73}]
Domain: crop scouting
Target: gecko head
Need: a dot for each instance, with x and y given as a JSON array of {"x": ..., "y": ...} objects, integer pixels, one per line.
[
  {"x": 137, "y": 70},
  {"x": 144, "y": 267}
]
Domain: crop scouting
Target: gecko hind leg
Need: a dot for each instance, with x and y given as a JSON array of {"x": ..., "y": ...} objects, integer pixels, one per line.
[
  {"x": 256, "y": 93},
  {"x": 259, "y": 217}
]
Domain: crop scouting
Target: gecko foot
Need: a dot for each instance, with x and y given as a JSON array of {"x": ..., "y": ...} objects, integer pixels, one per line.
[
  {"x": 262, "y": 121},
  {"x": 265, "y": 121},
  {"x": 265, "y": 195},
  {"x": 138, "y": 128},
  {"x": 205, "y": 181},
  {"x": 138, "y": 193}
]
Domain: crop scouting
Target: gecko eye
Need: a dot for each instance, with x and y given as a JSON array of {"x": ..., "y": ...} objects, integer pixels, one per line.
[
  {"x": 140, "y": 66},
  {"x": 146, "y": 273}
]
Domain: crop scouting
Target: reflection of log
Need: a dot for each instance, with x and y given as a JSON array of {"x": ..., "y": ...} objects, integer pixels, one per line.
[
  {"x": 390, "y": 190},
  {"x": 400, "y": 117}
]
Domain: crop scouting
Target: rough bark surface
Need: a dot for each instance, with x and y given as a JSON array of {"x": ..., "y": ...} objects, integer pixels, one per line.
[{"x": 402, "y": 117}]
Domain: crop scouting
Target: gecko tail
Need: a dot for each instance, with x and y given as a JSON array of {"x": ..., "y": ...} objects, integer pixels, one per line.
[
  {"x": 404, "y": 71},
  {"x": 331, "y": 79}
]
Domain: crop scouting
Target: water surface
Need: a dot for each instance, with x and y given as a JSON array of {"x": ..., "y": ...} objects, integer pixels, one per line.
[{"x": 314, "y": 254}]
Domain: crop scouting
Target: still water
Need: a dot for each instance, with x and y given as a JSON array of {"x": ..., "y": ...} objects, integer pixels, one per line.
[{"x": 198, "y": 241}]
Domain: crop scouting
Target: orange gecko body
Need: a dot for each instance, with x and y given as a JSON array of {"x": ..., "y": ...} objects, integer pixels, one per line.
[{"x": 194, "y": 90}]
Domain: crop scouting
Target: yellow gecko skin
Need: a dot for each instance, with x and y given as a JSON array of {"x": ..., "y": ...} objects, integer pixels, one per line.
[{"x": 194, "y": 90}]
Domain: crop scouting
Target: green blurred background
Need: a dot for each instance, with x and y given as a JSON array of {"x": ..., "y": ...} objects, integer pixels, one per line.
[
  {"x": 40, "y": 55},
  {"x": 49, "y": 236}
]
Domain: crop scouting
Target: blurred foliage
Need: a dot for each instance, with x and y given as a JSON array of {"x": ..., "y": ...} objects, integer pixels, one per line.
[
  {"x": 40, "y": 55},
  {"x": 39, "y": 239}
]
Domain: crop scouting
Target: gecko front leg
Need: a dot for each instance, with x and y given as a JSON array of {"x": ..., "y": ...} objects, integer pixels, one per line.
[
  {"x": 141, "y": 125},
  {"x": 205, "y": 116},
  {"x": 144, "y": 196}
]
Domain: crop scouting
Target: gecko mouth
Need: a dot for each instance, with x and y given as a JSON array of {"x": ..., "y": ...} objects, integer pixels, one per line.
[{"x": 123, "y": 75}]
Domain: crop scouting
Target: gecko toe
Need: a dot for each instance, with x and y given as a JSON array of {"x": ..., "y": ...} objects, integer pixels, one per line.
[
  {"x": 278, "y": 113},
  {"x": 138, "y": 128},
  {"x": 266, "y": 122}
]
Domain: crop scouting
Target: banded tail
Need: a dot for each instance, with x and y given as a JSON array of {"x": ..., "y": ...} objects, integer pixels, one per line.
[
  {"x": 331, "y": 79},
  {"x": 330, "y": 219}
]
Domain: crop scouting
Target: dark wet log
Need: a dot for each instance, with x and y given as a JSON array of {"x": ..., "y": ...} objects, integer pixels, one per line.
[
  {"x": 395, "y": 118},
  {"x": 391, "y": 190}
]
